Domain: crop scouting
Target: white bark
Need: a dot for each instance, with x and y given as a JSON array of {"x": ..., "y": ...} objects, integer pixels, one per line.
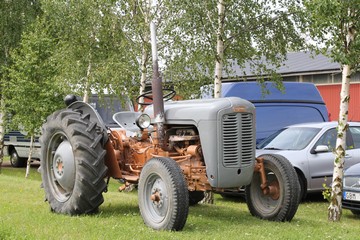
[
  {"x": 219, "y": 50},
  {"x": 143, "y": 75},
  {"x": 86, "y": 92},
  {"x": 145, "y": 55},
  {"x": 334, "y": 208},
  {"x": 209, "y": 195},
  {"x": 30, "y": 156}
]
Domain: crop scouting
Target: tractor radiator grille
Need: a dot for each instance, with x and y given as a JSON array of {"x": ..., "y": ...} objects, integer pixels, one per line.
[{"x": 237, "y": 137}]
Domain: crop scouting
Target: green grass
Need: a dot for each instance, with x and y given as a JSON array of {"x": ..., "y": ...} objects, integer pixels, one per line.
[{"x": 25, "y": 215}]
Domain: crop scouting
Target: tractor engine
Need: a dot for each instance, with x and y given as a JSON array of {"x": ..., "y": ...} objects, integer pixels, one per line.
[{"x": 183, "y": 146}]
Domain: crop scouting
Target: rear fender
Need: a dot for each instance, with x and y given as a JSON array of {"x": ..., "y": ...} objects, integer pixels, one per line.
[{"x": 86, "y": 108}]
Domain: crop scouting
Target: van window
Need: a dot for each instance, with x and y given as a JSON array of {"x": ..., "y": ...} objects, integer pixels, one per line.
[{"x": 271, "y": 118}]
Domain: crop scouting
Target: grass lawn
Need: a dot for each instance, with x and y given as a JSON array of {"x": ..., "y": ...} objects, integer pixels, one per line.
[{"x": 25, "y": 215}]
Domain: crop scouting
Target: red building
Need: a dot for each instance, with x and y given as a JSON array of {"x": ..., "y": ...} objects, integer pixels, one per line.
[
  {"x": 331, "y": 96},
  {"x": 315, "y": 68}
]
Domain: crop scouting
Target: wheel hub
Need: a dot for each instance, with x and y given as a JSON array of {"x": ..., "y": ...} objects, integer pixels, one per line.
[
  {"x": 156, "y": 197},
  {"x": 64, "y": 166},
  {"x": 274, "y": 190}
]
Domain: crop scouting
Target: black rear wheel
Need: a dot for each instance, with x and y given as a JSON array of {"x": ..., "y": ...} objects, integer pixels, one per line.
[
  {"x": 282, "y": 203},
  {"x": 163, "y": 195},
  {"x": 72, "y": 163}
]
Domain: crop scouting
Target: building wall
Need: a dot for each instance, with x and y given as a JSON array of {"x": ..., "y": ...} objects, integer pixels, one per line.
[
  {"x": 331, "y": 96},
  {"x": 321, "y": 78},
  {"x": 329, "y": 86}
]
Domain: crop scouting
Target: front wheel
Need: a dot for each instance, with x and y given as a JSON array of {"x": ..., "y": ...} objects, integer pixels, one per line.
[
  {"x": 163, "y": 195},
  {"x": 72, "y": 163},
  {"x": 282, "y": 203}
]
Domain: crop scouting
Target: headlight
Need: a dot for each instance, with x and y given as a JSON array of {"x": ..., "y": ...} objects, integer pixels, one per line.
[
  {"x": 143, "y": 121},
  {"x": 351, "y": 182}
]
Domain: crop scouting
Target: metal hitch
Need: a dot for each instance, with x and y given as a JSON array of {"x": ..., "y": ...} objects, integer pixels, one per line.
[{"x": 271, "y": 189}]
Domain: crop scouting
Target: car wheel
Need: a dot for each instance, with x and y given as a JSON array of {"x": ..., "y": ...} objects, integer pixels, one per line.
[
  {"x": 17, "y": 161},
  {"x": 303, "y": 186},
  {"x": 355, "y": 212}
]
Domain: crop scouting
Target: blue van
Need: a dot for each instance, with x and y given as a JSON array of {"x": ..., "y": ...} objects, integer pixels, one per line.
[{"x": 299, "y": 103}]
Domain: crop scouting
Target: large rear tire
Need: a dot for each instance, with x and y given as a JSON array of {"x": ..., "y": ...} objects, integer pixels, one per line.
[
  {"x": 163, "y": 195},
  {"x": 283, "y": 203},
  {"x": 72, "y": 162}
]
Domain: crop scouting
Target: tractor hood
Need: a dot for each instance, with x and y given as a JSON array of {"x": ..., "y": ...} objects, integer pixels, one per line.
[{"x": 201, "y": 109}]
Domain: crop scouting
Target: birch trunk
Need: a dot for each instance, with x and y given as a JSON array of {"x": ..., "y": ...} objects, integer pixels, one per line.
[
  {"x": 145, "y": 55},
  {"x": 219, "y": 50},
  {"x": 30, "y": 156},
  {"x": 209, "y": 195},
  {"x": 87, "y": 91},
  {"x": 143, "y": 75},
  {"x": 335, "y": 208}
]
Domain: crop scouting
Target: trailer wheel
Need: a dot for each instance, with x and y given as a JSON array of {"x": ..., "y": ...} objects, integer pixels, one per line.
[
  {"x": 17, "y": 161},
  {"x": 282, "y": 203},
  {"x": 163, "y": 195},
  {"x": 72, "y": 163}
]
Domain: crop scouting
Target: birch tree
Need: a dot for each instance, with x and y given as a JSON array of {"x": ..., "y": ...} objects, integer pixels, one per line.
[
  {"x": 335, "y": 25},
  {"x": 91, "y": 52},
  {"x": 206, "y": 38},
  {"x": 15, "y": 16},
  {"x": 219, "y": 49},
  {"x": 31, "y": 94},
  {"x": 135, "y": 17}
]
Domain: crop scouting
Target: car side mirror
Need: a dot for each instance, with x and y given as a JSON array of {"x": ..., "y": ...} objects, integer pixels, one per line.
[{"x": 321, "y": 149}]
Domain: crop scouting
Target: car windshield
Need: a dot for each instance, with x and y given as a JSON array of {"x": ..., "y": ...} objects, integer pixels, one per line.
[{"x": 294, "y": 138}]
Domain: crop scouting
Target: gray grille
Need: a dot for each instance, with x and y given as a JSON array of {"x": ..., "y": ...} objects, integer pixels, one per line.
[{"x": 237, "y": 137}]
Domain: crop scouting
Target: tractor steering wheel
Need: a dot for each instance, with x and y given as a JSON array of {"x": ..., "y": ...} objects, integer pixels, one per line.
[{"x": 167, "y": 95}]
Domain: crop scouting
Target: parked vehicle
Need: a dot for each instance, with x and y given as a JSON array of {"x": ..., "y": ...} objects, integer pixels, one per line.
[
  {"x": 299, "y": 103},
  {"x": 351, "y": 189},
  {"x": 309, "y": 147},
  {"x": 17, "y": 145}
]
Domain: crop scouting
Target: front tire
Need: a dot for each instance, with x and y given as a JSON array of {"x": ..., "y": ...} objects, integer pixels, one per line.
[
  {"x": 283, "y": 204},
  {"x": 72, "y": 163},
  {"x": 163, "y": 195}
]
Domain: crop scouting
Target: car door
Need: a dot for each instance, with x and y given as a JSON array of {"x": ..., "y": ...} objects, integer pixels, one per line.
[
  {"x": 353, "y": 147},
  {"x": 321, "y": 164}
]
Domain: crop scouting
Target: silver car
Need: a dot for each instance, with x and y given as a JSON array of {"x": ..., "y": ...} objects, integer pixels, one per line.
[
  {"x": 351, "y": 189},
  {"x": 309, "y": 147}
]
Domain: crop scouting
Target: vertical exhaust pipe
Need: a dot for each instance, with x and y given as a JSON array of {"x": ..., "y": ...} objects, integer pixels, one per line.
[{"x": 156, "y": 85}]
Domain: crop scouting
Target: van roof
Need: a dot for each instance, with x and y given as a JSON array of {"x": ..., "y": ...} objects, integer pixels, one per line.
[{"x": 293, "y": 92}]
